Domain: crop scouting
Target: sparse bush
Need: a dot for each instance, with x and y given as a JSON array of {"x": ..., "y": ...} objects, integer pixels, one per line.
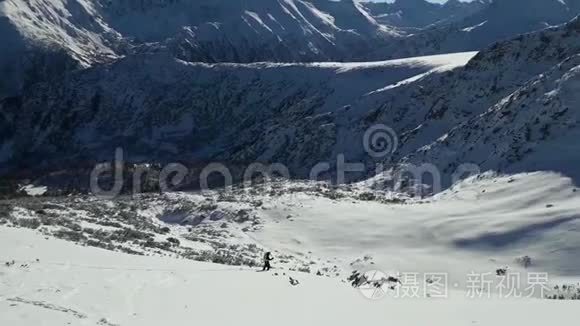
[
  {"x": 242, "y": 216},
  {"x": 304, "y": 269},
  {"x": 31, "y": 223},
  {"x": 159, "y": 245},
  {"x": 525, "y": 261},
  {"x": 109, "y": 223},
  {"x": 334, "y": 195},
  {"x": 100, "y": 244},
  {"x": 224, "y": 257},
  {"x": 174, "y": 241},
  {"x": 5, "y": 210},
  {"x": 127, "y": 234},
  {"x": 208, "y": 207},
  {"x": 75, "y": 227},
  {"x": 501, "y": 271},
  {"x": 367, "y": 196},
  {"x": 52, "y": 206},
  {"x": 70, "y": 235},
  {"x": 565, "y": 292},
  {"x": 46, "y": 220}
]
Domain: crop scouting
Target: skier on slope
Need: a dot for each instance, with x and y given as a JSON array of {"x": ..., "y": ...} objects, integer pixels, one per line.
[{"x": 267, "y": 258}]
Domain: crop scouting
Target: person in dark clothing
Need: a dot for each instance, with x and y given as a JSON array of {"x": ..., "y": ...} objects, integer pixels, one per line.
[{"x": 267, "y": 258}]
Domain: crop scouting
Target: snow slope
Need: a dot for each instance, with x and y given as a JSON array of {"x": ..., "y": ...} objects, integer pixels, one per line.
[
  {"x": 461, "y": 231},
  {"x": 478, "y": 225}
]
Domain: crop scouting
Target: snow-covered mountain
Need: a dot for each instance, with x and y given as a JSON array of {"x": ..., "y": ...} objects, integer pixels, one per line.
[
  {"x": 446, "y": 119},
  {"x": 531, "y": 129},
  {"x": 506, "y": 18},
  {"x": 500, "y": 20},
  {"x": 251, "y": 30},
  {"x": 43, "y": 38},
  {"x": 80, "y": 33},
  {"x": 46, "y": 38},
  {"x": 163, "y": 109},
  {"x": 421, "y": 13},
  {"x": 147, "y": 97}
]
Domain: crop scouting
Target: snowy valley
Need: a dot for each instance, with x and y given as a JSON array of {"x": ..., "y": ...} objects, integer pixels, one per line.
[{"x": 393, "y": 158}]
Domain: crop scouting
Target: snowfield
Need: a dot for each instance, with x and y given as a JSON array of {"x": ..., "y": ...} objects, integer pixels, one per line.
[
  {"x": 480, "y": 225},
  {"x": 86, "y": 286}
]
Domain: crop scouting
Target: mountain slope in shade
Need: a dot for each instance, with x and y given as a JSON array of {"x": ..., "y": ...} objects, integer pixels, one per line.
[
  {"x": 42, "y": 39},
  {"x": 423, "y": 111},
  {"x": 533, "y": 129},
  {"x": 421, "y": 13},
  {"x": 522, "y": 119},
  {"x": 159, "y": 108},
  {"x": 297, "y": 114},
  {"x": 162, "y": 109},
  {"x": 501, "y": 20}
]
